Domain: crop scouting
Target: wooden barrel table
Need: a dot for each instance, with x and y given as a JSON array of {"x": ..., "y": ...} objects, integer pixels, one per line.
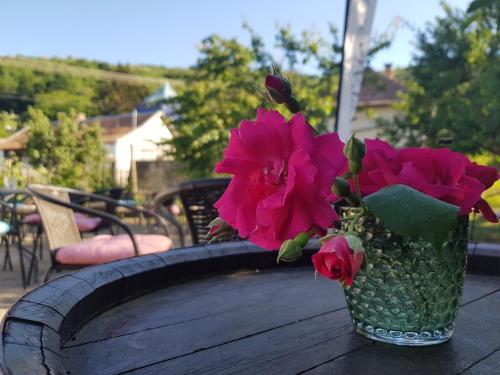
[{"x": 225, "y": 309}]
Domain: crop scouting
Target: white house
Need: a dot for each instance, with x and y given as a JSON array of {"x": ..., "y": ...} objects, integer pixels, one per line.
[
  {"x": 377, "y": 98},
  {"x": 132, "y": 135}
]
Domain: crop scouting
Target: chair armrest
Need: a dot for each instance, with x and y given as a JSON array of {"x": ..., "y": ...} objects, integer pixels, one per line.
[{"x": 160, "y": 208}]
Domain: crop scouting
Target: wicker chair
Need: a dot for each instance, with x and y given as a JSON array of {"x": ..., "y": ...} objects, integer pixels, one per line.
[
  {"x": 65, "y": 243},
  {"x": 198, "y": 198}
]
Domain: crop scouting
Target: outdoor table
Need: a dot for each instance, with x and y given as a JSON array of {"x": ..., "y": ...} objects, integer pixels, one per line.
[{"x": 223, "y": 309}]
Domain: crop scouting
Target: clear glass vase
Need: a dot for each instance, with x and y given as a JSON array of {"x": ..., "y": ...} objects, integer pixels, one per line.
[{"x": 409, "y": 292}]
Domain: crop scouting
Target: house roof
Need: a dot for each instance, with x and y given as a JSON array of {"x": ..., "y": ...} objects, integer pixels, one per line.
[
  {"x": 112, "y": 128},
  {"x": 116, "y": 126},
  {"x": 378, "y": 89},
  {"x": 16, "y": 141}
]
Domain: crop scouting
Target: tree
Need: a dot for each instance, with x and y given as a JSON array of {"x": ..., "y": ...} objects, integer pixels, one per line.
[
  {"x": 222, "y": 90},
  {"x": 454, "y": 86},
  {"x": 218, "y": 95},
  {"x": 69, "y": 154},
  {"x": 8, "y": 123}
]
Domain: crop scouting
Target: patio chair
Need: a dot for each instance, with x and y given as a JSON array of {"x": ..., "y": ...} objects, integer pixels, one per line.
[
  {"x": 11, "y": 234},
  {"x": 198, "y": 198},
  {"x": 69, "y": 251}
]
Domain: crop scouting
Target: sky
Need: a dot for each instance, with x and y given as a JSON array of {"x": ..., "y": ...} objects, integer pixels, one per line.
[{"x": 167, "y": 32}]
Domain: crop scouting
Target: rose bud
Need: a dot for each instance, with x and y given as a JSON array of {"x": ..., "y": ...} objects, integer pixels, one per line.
[
  {"x": 354, "y": 149},
  {"x": 336, "y": 260},
  {"x": 278, "y": 88},
  {"x": 355, "y": 166},
  {"x": 219, "y": 230},
  {"x": 341, "y": 187},
  {"x": 290, "y": 251}
]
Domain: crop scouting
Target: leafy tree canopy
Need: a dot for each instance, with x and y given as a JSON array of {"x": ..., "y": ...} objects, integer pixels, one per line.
[
  {"x": 67, "y": 153},
  {"x": 454, "y": 83},
  {"x": 222, "y": 89}
]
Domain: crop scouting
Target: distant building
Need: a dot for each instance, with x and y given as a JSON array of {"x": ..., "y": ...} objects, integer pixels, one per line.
[
  {"x": 123, "y": 135},
  {"x": 379, "y": 93},
  {"x": 134, "y": 134}
]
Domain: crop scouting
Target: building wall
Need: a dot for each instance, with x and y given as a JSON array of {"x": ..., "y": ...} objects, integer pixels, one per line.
[
  {"x": 364, "y": 123},
  {"x": 143, "y": 142}
]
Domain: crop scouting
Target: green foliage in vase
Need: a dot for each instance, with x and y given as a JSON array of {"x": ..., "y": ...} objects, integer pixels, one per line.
[
  {"x": 69, "y": 154},
  {"x": 454, "y": 83}
]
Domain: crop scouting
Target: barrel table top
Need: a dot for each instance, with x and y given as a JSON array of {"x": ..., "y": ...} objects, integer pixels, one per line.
[{"x": 226, "y": 309}]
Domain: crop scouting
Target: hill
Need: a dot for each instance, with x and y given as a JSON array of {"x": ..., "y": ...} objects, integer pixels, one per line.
[{"x": 91, "y": 87}]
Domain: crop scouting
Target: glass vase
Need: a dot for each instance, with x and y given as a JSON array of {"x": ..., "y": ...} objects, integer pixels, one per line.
[{"x": 409, "y": 292}]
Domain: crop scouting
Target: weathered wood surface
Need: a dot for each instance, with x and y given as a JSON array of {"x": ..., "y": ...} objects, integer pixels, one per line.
[
  {"x": 208, "y": 316},
  {"x": 272, "y": 321}
]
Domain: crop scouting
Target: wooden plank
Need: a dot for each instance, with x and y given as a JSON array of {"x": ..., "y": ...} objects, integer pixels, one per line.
[
  {"x": 477, "y": 286},
  {"x": 33, "y": 312},
  {"x": 60, "y": 300},
  {"x": 298, "y": 346},
  {"x": 29, "y": 360},
  {"x": 285, "y": 350},
  {"x": 212, "y": 319},
  {"x": 37, "y": 335},
  {"x": 486, "y": 366},
  {"x": 476, "y": 336},
  {"x": 166, "y": 304},
  {"x": 209, "y": 317}
]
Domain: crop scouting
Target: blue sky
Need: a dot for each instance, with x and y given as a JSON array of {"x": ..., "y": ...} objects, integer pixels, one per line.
[{"x": 166, "y": 32}]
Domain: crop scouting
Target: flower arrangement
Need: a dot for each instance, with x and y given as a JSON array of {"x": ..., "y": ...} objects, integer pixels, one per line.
[{"x": 287, "y": 181}]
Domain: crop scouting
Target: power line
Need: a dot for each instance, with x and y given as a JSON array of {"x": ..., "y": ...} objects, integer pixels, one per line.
[{"x": 64, "y": 69}]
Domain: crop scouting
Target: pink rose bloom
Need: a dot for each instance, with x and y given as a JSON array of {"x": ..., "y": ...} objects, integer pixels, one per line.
[
  {"x": 337, "y": 261},
  {"x": 440, "y": 173},
  {"x": 282, "y": 177}
]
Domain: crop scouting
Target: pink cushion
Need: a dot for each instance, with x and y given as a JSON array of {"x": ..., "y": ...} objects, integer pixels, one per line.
[
  {"x": 84, "y": 223},
  {"x": 105, "y": 248},
  {"x": 32, "y": 219}
]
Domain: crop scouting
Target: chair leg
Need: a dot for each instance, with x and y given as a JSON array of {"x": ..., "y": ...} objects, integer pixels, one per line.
[
  {"x": 21, "y": 262},
  {"x": 33, "y": 269},
  {"x": 7, "y": 259},
  {"x": 48, "y": 274},
  {"x": 38, "y": 243}
]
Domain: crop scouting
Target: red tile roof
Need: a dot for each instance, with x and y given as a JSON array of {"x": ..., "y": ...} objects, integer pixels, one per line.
[{"x": 378, "y": 90}]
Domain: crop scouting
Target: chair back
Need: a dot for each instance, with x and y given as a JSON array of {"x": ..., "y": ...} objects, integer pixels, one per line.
[
  {"x": 198, "y": 198},
  {"x": 58, "y": 222}
]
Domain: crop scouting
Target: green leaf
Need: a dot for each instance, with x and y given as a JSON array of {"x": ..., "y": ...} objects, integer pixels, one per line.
[{"x": 411, "y": 213}]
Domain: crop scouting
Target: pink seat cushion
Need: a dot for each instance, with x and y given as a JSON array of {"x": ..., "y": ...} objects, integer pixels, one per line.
[
  {"x": 84, "y": 223},
  {"x": 105, "y": 248}
]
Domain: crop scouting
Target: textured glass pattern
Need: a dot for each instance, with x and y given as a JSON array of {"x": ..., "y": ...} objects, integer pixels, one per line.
[{"x": 409, "y": 292}]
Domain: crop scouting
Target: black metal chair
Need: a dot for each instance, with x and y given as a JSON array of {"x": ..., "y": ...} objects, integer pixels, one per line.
[
  {"x": 57, "y": 213},
  {"x": 198, "y": 198},
  {"x": 13, "y": 235}
]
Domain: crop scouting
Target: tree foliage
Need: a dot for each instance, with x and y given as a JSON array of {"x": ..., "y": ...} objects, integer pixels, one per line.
[
  {"x": 223, "y": 90},
  {"x": 69, "y": 154},
  {"x": 454, "y": 85},
  {"x": 53, "y": 92}
]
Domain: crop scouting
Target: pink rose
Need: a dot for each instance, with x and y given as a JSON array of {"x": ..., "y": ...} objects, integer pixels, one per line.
[
  {"x": 337, "y": 261},
  {"x": 440, "y": 173},
  {"x": 282, "y": 177}
]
